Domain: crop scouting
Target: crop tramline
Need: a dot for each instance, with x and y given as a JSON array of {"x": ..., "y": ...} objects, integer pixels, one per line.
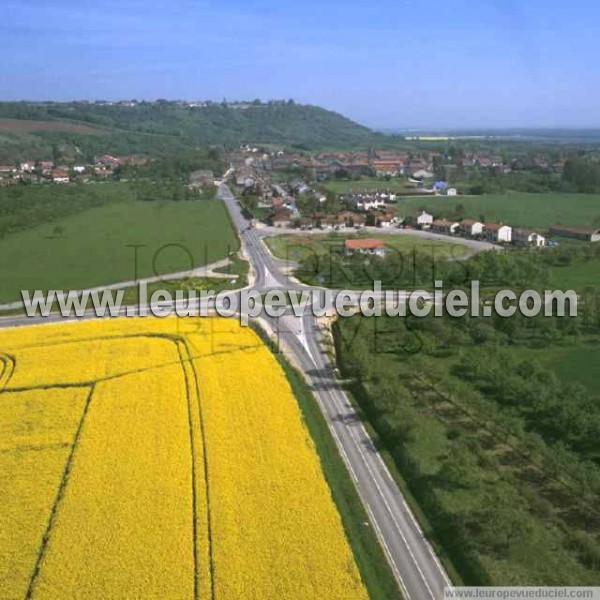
[{"x": 160, "y": 458}]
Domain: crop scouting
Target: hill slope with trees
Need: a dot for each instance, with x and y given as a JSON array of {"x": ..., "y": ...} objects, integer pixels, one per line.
[{"x": 161, "y": 125}]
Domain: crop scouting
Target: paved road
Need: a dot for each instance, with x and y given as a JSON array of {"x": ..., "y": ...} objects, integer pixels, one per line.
[
  {"x": 473, "y": 246},
  {"x": 417, "y": 569}
]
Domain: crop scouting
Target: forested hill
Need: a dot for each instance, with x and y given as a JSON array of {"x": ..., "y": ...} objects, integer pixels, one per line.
[{"x": 285, "y": 123}]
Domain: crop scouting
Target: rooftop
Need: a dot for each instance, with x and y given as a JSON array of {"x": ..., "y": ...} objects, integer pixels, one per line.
[{"x": 363, "y": 244}]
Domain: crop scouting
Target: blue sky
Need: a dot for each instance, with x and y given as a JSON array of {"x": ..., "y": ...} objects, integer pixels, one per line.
[{"x": 403, "y": 63}]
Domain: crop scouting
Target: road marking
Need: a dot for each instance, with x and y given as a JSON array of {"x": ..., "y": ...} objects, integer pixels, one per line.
[{"x": 358, "y": 447}]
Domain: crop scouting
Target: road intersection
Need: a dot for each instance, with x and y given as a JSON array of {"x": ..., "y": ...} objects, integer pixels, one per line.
[{"x": 417, "y": 569}]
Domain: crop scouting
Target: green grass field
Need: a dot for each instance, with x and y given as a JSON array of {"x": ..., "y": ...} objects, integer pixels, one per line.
[
  {"x": 576, "y": 364},
  {"x": 577, "y": 276},
  {"x": 373, "y": 184},
  {"x": 297, "y": 247},
  {"x": 95, "y": 247},
  {"x": 517, "y": 209}
]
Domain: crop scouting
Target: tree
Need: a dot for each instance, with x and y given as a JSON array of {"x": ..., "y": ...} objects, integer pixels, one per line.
[
  {"x": 459, "y": 468},
  {"x": 582, "y": 174}
]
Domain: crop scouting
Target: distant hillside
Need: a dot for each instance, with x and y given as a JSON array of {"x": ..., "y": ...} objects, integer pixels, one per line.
[{"x": 161, "y": 125}]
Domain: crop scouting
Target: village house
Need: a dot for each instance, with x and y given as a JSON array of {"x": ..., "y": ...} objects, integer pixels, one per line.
[
  {"x": 201, "y": 178},
  {"x": 306, "y": 223},
  {"x": 326, "y": 223},
  {"x": 60, "y": 176},
  {"x": 422, "y": 174},
  {"x": 374, "y": 247},
  {"x": 527, "y": 237},
  {"x": 282, "y": 218},
  {"x": 388, "y": 167},
  {"x": 445, "y": 227},
  {"x": 386, "y": 220},
  {"x": 586, "y": 234},
  {"x": 498, "y": 232},
  {"x": 451, "y": 192},
  {"x": 244, "y": 176},
  {"x": 108, "y": 161},
  {"x": 470, "y": 227},
  {"x": 358, "y": 221},
  {"x": 346, "y": 217},
  {"x": 102, "y": 171},
  {"x": 369, "y": 202},
  {"x": 424, "y": 220}
]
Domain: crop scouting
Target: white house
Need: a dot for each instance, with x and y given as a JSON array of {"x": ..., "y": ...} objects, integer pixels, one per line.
[
  {"x": 425, "y": 220},
  {"x": 451, "y": 192},
  {"x": 79, "y": 168},
  {"x": 386, "y": 220},
  {"x": 422, "y": 174},
  {"x": 527, "y": 237},
  {"x": 60, "y": 176},
  {"x": 362, "y": 246},
  {"x": 470, "y": 227},
  {"x": 368, "y": 203},
  {"x": 495, "y": 232}
]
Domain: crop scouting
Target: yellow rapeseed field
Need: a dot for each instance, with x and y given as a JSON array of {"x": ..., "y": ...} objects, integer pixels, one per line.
[{"x": 160, "y": 458}]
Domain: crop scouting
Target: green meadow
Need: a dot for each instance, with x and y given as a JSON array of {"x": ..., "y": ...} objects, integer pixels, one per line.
[
  {"x": 98, "y": 246},
  {"x": 516, "y": 209}
]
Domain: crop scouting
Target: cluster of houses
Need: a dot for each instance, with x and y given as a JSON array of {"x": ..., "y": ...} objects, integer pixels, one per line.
[
  {"x": 492, "y": 232},
  {"x": 45, "y": 171},
  {"x": 373, "y": 209},
  {"x": 502, "y": 233},
  {"x": 336, "y": 222},
  {"x": 418, "y": 165},
  {"x": 496, "y": 233}
]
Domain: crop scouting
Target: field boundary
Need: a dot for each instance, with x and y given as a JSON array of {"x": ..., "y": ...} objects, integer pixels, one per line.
[
  {"x": 368, "y": 553},
  {"x": 185, "y": 361}
]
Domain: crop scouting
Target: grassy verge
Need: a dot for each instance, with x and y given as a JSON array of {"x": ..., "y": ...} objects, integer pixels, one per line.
[
  {"x": 172, "y": 286},
  {"x": 239, "y": 268},
  {"x": 372, "y": 563},
  {"x": 411, "y": 500}
]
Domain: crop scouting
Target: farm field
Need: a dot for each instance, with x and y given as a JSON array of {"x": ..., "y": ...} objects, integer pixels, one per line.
[
  {"x": 167, "y": 458},
  {"x": 297, "y": 247},
  {"x": 95, "y": 247},
  {"x": 577, "y": 276},
  {"x": 20, "y": 126},
  {"x": 516, "y": 209},
  {"x": 369, "y": 185}
]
